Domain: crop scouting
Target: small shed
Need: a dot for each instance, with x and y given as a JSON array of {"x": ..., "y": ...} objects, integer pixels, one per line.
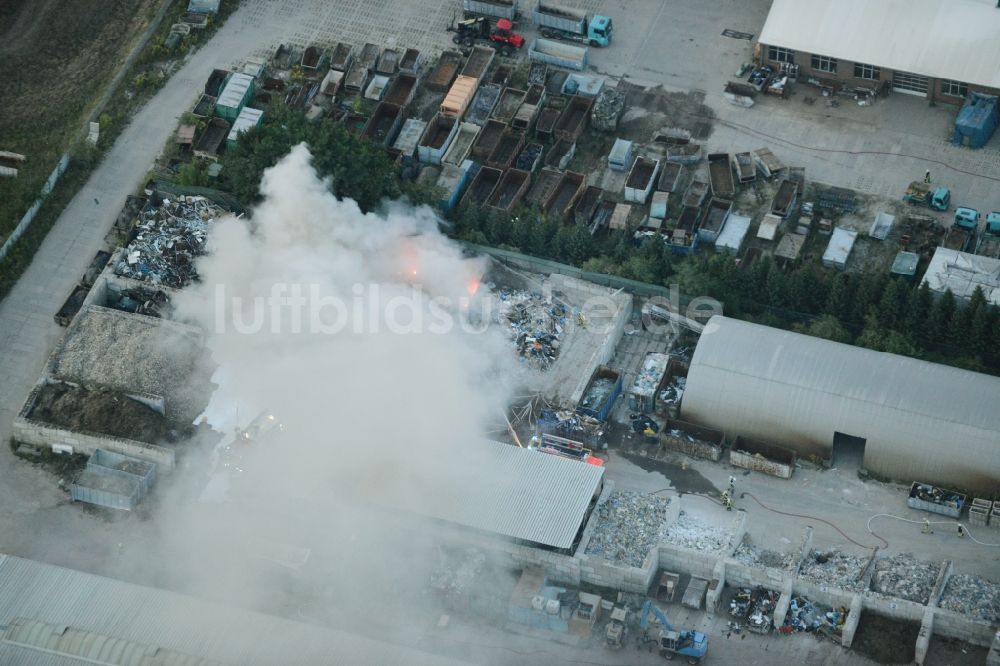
[
  {"x": 248, "y": 119},
  {"x": 769, "y": 227},
  {"x": 620, "y": 157},
  {"x": 236, "y": 94},
  {"x": 905, "y": 265},
  {"x": 839, "y": 249},
  {"x": 733, "y": 234}
]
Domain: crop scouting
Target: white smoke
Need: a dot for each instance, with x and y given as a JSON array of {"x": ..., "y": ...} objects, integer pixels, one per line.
[{"x": 379, "y": 419}]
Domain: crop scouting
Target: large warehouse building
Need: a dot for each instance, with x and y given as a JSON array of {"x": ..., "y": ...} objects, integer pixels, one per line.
[
  {"x": 939, "y": 49},
  {"x": 913, "y": 420}
]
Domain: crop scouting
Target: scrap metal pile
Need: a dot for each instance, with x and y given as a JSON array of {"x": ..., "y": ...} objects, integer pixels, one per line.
[
  {"x": 149, "y": 302},
  {"x": 906, "y": 577},
  {"x": 804, "y": 615},
  {"x": 673, "y": 392},
  {"x": 572, "y": 425},
  {"x": 650, "y": 374},
  {"x": 973, "y": 596},
  {"x": 691, "y": 533},
  {"x": 836, "y": 569},
  {"x": 536, "y": 325},
  {"x": 627, "y": 526},
  {"x": 168, "y": 237},
  {"x": 608, "y": 108},
  {"x": 756, "y": 606}
]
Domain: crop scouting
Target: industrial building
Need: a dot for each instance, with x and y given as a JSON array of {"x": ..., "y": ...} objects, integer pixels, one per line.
[
  {"x": 58, "y": 617},
  {"x": 913, "y": 420},
  {"x": 938, "y": 49},
  {"x": 962, "y": 272}
]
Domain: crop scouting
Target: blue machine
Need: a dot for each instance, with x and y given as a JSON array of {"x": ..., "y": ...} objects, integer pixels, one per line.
[
  {"x": 690, "y": 644},
  {"x": 976, "y": 121}
]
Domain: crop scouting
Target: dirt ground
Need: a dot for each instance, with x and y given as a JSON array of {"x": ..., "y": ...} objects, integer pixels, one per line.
[
  {"x": 952, "y": 652},
  {"x": 55, "y": 59},
  {"x": 101, "y": 411},
  {"x": 885, "y": 640}
]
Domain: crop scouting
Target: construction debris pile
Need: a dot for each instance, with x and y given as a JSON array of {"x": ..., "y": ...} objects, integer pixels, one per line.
[
  {"x": 607, "y": 109},
  {"x": 536, "y": 325},
  {"x": 972, "y": 596},
  {"x": 696, "y": 535},
  {"x": 905, "y": 577},
  {"x": 650, "y": 374},
  {"x": 752, "y": 556},
  {"x": 804, "y": 615},
  {"x": 627, "y": 526},
  {"x": 100, "y": 411},
  {"x": 836, "y": 569},
  {"x": 572, "y": 425},
  {"x": 167, "y": 240},
  {"x": 673, "y": 392},
  {"x": 756, "y": 607},
  {"x": 454, "y": 575}
]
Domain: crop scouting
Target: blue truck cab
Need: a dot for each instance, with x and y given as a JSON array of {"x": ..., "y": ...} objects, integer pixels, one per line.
[
  {"x": 599, "y": 31},
  {"x": 967, "y": 218}
]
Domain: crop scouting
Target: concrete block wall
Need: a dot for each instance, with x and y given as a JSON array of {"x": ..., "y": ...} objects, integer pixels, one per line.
[
  {"x": 603, "y": 573},
  {"x": 852, "y": 621},
  {"x": 954, "y": 625},
  {"x": 43, "y": 436},
  {"x": 924, "y": 637}
]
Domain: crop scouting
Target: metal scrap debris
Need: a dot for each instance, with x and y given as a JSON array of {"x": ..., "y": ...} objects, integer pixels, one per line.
[
  {"x": 697, "y": 535},
  {"x": 673, "y": 392},
  {"x": 607, "y": 109},
  {"x": 536, "y": 325},
  {"x": 627, "y": 526},
  {"x": 804, "y": 615},
  {"x": 167, "y": 239},
  {"x": 906, "y": 577},
  {"x": 974, "y": 596},
  {"x": 756, "y": 606}
]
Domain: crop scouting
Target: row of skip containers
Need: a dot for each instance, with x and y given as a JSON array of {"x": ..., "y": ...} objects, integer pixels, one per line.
[
  {"x": 113, "y": 480},
  {"x": 224, "y": 108}
]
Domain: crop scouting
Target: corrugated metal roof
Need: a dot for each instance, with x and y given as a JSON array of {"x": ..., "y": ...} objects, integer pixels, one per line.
[
  {"x": 797, "y": 361},
  {"x": 236, "y": 88},
  {"x": 945, "y": 39},
  {"x": 518, "y": 493},
  {"x": 97, "y": 606},
  {"x": 962, "y": 273},
  {"x": 248, "y": 119}
]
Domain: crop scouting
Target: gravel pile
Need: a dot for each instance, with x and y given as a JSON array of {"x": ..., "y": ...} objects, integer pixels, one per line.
[
  {"x": 905, "y": 577},
  {"x": 836, "y": 569},
  {"x": 696, "y": 535},
  {"x": 627, "y": 526},
  {"x": 973, "y": 596},
  {"x": 752, "y": 556}
]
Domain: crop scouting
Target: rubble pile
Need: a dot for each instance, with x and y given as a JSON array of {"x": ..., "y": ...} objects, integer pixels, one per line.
[
  {"x": 691, "y": 533},
  {"x": 752, "y": 556},
  {"x": 572, "y": 425},
  {"x": 756, "y": 606},
  {"x": 627, "y": 526},
  {"x": 836, "y": 569},
  {"x": 536, "y": 325},
  {"x": 804, "y": 615},
  {"x": 673, "y": 391},
  {"x": 973, "y": 596},
  {"x": 906, "y": 577},
  {"x": 608, "y": 108},
  {"x": 454, "y": 575},
  {"x": 167, "y": 240},
  {"x": 648, "y": 378}
]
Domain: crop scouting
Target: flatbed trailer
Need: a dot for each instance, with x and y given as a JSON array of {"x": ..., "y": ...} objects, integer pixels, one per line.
[{"x": 721, "y": 175}]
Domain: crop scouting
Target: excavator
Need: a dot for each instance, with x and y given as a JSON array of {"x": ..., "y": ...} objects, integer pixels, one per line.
[{"x": 687, "y": 643}]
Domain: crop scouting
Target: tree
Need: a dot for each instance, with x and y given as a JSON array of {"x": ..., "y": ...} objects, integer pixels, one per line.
[
  {"x": 940, "y": 320},
  {"x": 828, "y": 327},
  {"x": 838, "y": 299},
  {"x": 918, "y": 311},
  {"x": 892, "y": 305}
]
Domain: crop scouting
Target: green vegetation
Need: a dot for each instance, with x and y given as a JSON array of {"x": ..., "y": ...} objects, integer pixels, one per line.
[
  {"x": 865, "y": 309},
  {"x": 45, "y": 137},
  {"x": 357, "y": 169}
]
